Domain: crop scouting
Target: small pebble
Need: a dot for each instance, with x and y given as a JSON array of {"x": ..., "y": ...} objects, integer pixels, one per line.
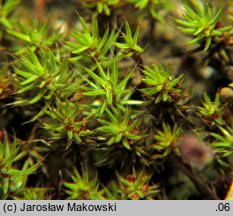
[{"x": 226, "y": 94}]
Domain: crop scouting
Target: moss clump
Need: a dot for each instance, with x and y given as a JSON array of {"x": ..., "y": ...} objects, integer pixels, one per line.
[{"x": 104, "y": 105}]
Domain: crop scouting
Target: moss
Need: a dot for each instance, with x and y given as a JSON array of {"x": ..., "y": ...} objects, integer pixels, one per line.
[{"x": 101, "y": 104}]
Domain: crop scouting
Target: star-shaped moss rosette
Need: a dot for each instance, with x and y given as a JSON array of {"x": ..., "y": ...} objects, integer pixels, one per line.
[
  {"x": 67, "y": 121},
  {"x": 137, "y": 186},
  {"x": 211, "y": 112},
  {"x": 165, "y": 140},
  {"x": 108, "y": 90},
  {"x": 81, "y": 187},
  {"x": 88, "y": 46},
  {"x": 118, "y": 128},
  {"x": 162, "y": 85},
  {"x": 42, "y": 76},
  {"x": 200, "y": 22}
]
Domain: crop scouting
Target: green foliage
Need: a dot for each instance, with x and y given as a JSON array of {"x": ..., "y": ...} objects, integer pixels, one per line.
[
  {"x": 35, "y": 194},
  {"x": 211, "y": 113},
  {"x": 89, "y": 45},
  {"x": 131, "y": 41},
  {"x": 136, "y": 186},
  {"x": 5, "y": 12},
  {"x": 83, "y": 188},
  {"x": 200, "y": 22},
  {"x": 12, "y": 180},
  {"x": 68, "y": 121},
  {"x": 155, "y": 7},
  {"x": 36, "y": 36},
  {"x": 106, "y": 85},
  {"x": 162, "y": 85},
  {"x": 32, "y": 150},
  {"x": 223, "y": 145},
  {"x": 119, "y": 128},
  {"x": 44, "y": 76},
  {"x": 102, "y": 7},
  {"x": 166, "y": 139},
  {"x": 87, "y": 98}
]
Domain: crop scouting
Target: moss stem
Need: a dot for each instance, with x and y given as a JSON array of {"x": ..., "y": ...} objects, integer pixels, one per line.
[{"x": 195, "y": 179}]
